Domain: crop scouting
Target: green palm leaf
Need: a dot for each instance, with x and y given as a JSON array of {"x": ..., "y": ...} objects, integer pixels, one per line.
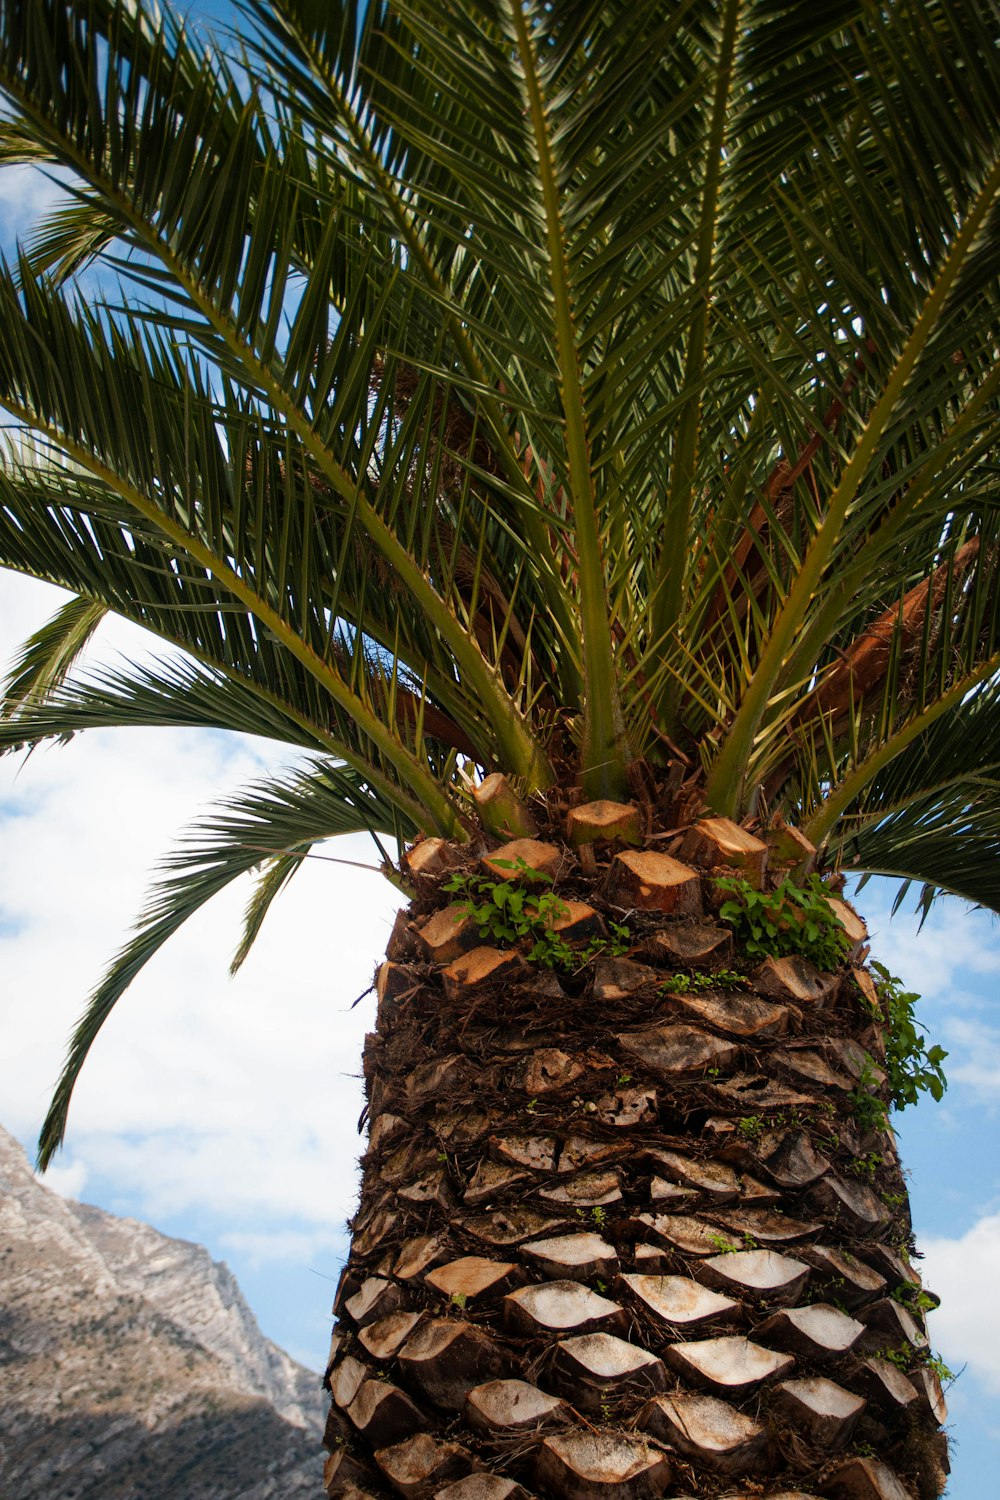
[{"x": 603, "y": 394}]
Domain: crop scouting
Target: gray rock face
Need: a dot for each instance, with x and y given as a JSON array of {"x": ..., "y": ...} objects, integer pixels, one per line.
[{"x": 132, "y": 1368}]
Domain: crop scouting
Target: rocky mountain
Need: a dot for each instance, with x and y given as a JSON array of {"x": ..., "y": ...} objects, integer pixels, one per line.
[{"x": 132, "y": 1369}]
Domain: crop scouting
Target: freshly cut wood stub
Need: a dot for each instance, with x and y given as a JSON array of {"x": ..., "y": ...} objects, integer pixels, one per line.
[
  {"x": 789, "y": 849},
  {"x": 866, "y": 985},
  {"x": 505, "y": 1406},
  {"x": 447, "y": 934},
  {"x": 824, "y": 1411},
  {"x": 654, "y": 882},
  {"x": 349, "y": 1375},
  {"x": 817, "y": 1332},
  {"x": 377, "y": 1298},
  {"x": 491, "y": 1178},
  {"x": 731, "y": 1366},
  {"x": 714, "y": 1178},
  {"x": 535, "y": 1151},
  {"x": 854, "y": 928},
  {"x": 482, "y": 1487},
  {"x": 708, "y": 1430},
  {"x": 501, "y": 810},
  {"x": 585, "y": 1190},
  {"x": 581, "y": 1465},
  {"x": 854, "y": 1282},
  {"x": 384, "y": 1414},
  {"x": 420, "y": 1464},
  {"x": 676, "y": 1050},
  {"x": 865, "y": 1479},
  {"x": 576, "y": 921},
  {"x": 431, "y": 857},
  {"x": 680, "y": 1232},
  {"x": 851, "y": 1204},
  {"x": 763, "y": 1273},
  {"x": 929, "y": 1394},
  {"x": 792, "y": 1159},
  {"x": 475, "y": 1278},
  {"x": 446, "y": 1357},
  {"x": 479, "y": 967},
  {"x": 796, "y": 979},
  {"x": 345, "y": 1477},
  {"x": 570, "y": 1256},
  {"x": 561, "y": 1307},
  {"x": 596, "y": 1367},
  {"x": 518, "y": 859},
  {"x": 511, "y": 1226},
  {"x": 402, "y": 944},
  {"x": 712, "y": 842},
  {"x": 738, "y": 1015},
  {"x": 883, "y": 1384},
  {"x": 549, "y": 1069},
  {"x": 769, "y": 1228},
  {"x": 603, "y": 820},
  {"x": 416, "y": 1255},
  {"x": 384, "y": 1338},
  {"x": 677, "y": 1300},
  {"x": 394, "y": 983},
  {"x": 688, "y": 942}
]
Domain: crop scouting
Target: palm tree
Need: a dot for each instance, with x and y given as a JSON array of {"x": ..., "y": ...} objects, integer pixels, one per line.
[{"x": 573, "y": 426}]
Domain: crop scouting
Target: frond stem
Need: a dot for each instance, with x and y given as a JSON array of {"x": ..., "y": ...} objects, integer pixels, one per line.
[
  {"x": 833, "y": 806},
  {"x": 603, "y": 753},
  {"x": 674, "y": 553},
  {"x": 724, "y": 789}
]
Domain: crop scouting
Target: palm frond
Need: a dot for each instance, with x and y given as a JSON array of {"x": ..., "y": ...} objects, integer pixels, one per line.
[
  {"x": 265, "y": 821},
  {"x": 49, "y": 653}
]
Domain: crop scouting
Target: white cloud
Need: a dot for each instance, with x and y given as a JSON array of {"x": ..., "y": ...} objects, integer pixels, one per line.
[
  {"x": 70, "y": 1179},
  {"x": 932, "y": 959},
  {"x": 301, "y": 1246},
  {"x": 235, "y": 1098},
  {"x": 26, "y": 194},
  {"x": 974, "y": 1060},
  {"x": 965, "y": 1272}
]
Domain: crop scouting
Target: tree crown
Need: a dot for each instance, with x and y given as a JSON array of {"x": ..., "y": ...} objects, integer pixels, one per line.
[{"x": 602, "y": 392}]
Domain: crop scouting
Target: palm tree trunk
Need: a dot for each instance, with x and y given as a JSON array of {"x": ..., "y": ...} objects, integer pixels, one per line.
[{"x": 632, "y": 1230}]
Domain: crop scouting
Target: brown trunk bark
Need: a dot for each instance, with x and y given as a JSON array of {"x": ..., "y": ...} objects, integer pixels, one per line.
[{"x": 618, "y": 1237}]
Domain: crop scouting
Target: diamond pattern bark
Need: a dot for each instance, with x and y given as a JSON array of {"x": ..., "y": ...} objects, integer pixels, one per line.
[{"x": 613, "y": 1239}]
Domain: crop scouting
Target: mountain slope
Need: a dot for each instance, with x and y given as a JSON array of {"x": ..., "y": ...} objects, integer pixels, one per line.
[{"x": 132, "y": 1368}]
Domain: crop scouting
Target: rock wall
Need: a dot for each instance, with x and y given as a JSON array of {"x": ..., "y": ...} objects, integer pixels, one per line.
[{"x": 132, "y": 1368}]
